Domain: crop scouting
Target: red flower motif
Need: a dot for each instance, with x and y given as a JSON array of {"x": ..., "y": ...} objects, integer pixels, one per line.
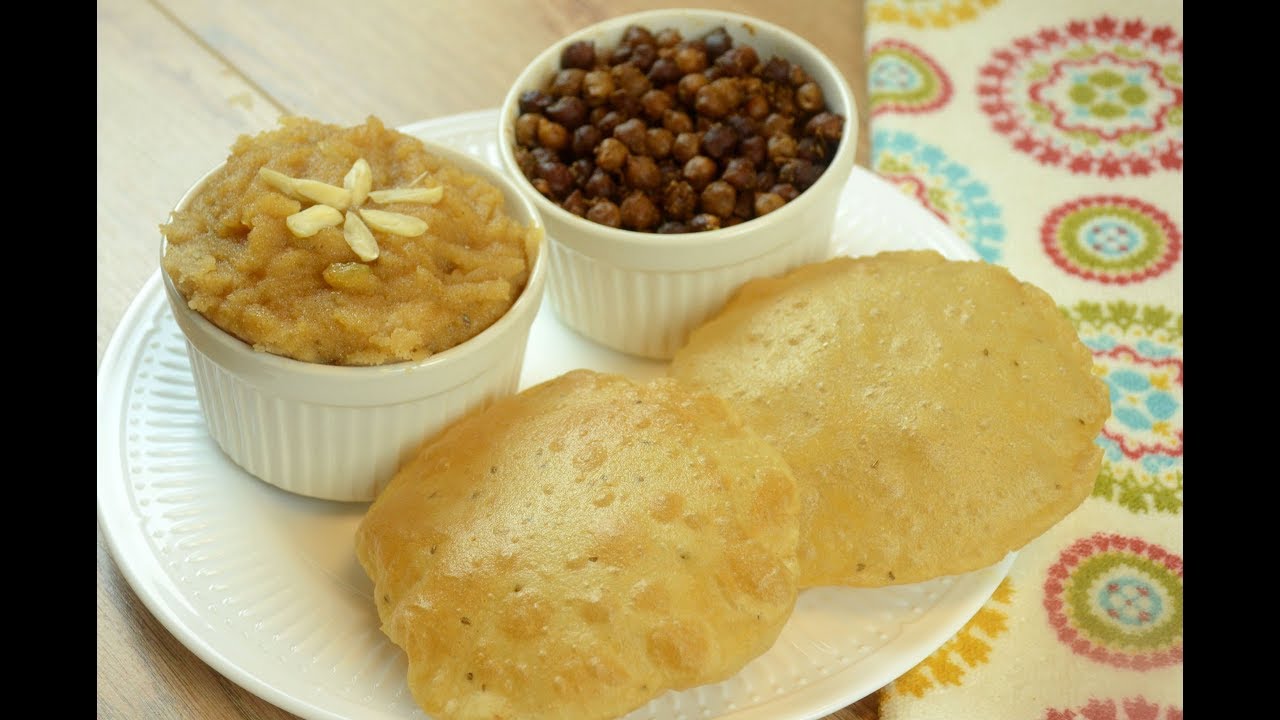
[
  {"x": 1130, "y": 708},
  {"x": 1139, "y": 709},
  {"x": 1049, "y": 156},
  {"x": 1099, "y": 710},
  {"x": 1109, "y": 167},
  {"x": 1140, "y": 166}
]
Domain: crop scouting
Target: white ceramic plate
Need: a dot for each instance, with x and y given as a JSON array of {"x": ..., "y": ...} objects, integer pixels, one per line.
[{"x": 264, "y": 586}]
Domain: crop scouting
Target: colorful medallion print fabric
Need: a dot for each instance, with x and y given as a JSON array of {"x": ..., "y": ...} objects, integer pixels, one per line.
[
  {"x": 1049, "y": 137},
  {"x": 1111, "y": 239},
  {"x": 925, "y": 13},
  {"x": 944, "y": 187},
  {"x": 1138, "y": 351},
  {"x": 1117, "y": 600},
  {"x": 1096, "y": 95},
  {"x": 1130, "y": 708},
  {"x": 902, "y": 78}
]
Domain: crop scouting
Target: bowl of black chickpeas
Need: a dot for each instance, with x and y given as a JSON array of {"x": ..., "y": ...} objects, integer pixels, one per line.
[{"x": 673, "y": 155}]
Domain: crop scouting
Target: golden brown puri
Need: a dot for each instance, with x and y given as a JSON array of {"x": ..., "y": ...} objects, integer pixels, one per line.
[
  {"x": 232, "y": 256},
  {"x": 936, "y": 414},
  {"x": 580, "y": 548}
]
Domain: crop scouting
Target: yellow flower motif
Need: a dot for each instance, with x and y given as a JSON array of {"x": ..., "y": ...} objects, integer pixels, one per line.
[
  {"x": 966, "y": 650},
  {"x": 926, "y": 13},
  {"x": 1160, "y": 381},
  {"x": 1161, "y": 428},
  {"x": 335, "y": 205}
]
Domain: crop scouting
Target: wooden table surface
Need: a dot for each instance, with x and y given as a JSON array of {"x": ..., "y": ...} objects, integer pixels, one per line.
[{"x": 179, "y": 80}]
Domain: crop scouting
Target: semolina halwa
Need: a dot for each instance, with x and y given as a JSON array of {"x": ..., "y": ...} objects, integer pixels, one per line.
[{"x": 272, "y": 267}]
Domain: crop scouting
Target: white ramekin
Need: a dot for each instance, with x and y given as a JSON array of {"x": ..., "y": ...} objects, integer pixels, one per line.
[
  {"x": 641, "y": 293},
  {"x": 339, "y": 433}
]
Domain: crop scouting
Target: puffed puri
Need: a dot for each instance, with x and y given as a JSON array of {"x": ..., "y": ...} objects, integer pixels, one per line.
[
  {"x": 579, "y": 548},
  {"x": 937, "y": 414}
]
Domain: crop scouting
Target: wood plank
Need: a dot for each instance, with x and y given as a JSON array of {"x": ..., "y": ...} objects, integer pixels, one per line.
[
  {"x": 168, "y": 109},
  {"x": 425, "y": 59}
]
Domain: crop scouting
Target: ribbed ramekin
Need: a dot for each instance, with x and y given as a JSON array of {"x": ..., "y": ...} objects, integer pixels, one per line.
[
  {"x": 641, "y": 293},
  {"x": 339, "y": 433}
]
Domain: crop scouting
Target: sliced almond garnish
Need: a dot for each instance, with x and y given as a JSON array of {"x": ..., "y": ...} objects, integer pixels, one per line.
[
  {"x": 359, "y": 238},
  {"x": 310, "y": 221},
  {"x": 277, "y": 180},
  {"x": 313, "y": 190},
  {"x": 394, "y": 223},
  {"x": 409, "y": 195},
  {"x": 358, "y": 181},
  {"x": 316, "y": 191},
  {"x": 332, "y": 200}
]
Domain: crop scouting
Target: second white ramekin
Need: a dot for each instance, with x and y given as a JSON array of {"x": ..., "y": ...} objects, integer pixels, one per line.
[{"x": 641, "y": 293}]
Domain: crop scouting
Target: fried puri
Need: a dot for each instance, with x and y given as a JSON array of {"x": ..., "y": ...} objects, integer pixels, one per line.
[
  {"x": 936, "y": 414},
  {"x": 582, "y": 547}
]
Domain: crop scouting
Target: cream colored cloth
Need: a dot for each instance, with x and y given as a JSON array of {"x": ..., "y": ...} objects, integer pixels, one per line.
[{"x": 1049, "y": 136}]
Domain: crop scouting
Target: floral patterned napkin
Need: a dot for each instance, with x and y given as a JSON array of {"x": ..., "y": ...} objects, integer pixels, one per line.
[{"x": 1049, "y": 136}]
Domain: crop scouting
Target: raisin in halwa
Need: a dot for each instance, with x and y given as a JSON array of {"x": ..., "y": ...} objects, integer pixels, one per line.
[
  {"x": 672, "y": 135},
  {"x": 262, "y": 257}
]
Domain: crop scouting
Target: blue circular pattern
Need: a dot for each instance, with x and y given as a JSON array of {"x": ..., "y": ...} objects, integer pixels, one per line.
[
  {"x": 1112, "y": 238},
  {"x": 981, "y": 226},
  {"x": 889, "y": 73},
  {"x": 1130, "y": 601}
]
